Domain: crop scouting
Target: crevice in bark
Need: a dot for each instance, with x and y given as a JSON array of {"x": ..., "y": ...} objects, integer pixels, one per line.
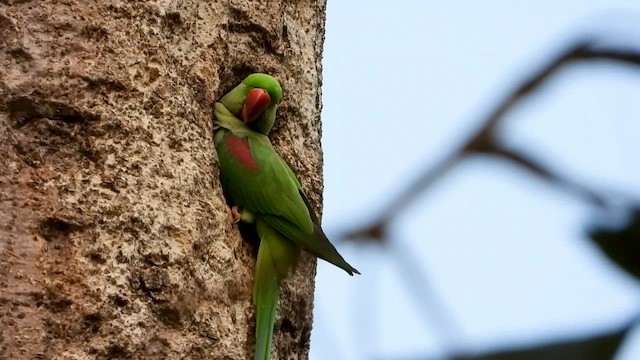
[{"x": 25, "y": 109}]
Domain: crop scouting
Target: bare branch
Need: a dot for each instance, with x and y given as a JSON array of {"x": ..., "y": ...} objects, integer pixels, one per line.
[
  {"x": 546, "y": 173},
  {"x": 484, "y": 140},
  {"x": 427, "y": 300},
  {"x": 378, "y": 229}
]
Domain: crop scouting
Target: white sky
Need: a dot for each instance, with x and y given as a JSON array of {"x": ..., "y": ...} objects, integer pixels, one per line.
[{"x": 404, "y": 82}]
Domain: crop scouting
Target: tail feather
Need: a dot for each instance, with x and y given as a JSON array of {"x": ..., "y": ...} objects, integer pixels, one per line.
[
  {"x": 265, "y": 296},
  {"x": 276, "y": 256}
]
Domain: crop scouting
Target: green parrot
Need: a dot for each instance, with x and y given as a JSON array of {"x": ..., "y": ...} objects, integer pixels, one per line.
[{"x": 261, "y": 184}]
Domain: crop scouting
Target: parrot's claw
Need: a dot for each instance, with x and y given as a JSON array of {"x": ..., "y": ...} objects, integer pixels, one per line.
[{"x": 236, "y": 214}]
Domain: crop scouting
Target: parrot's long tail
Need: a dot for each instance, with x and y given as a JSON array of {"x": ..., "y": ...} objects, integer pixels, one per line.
[{"x": 276, "y": 256}]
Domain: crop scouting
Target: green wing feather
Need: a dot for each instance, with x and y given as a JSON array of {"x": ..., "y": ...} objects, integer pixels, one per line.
[{"x": 274, "y": 194}]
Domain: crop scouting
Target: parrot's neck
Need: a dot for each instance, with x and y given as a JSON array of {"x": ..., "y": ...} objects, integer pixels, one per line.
[{"x": 224, "y": 118}]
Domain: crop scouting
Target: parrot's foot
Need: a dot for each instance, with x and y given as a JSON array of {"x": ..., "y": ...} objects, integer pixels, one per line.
[{"x": 236, "y": 214}]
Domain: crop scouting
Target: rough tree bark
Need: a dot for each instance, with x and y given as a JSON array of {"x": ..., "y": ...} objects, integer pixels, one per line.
[{"x": 115, "y": 239}]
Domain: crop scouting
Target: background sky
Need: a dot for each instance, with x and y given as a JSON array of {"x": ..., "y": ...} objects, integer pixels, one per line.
[{"x": 406, "y": 81}]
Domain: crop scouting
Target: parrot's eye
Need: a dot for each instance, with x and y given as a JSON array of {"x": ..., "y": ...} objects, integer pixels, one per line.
[{"x": 256, "y": 103}]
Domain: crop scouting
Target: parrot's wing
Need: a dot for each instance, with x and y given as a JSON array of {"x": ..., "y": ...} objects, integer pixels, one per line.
[
  {"x": 317, "y": 242},
  {"x": 257, "y": 179}
]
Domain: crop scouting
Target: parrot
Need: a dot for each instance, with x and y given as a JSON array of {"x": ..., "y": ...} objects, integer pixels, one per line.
[{"x": 259, "y": 182}]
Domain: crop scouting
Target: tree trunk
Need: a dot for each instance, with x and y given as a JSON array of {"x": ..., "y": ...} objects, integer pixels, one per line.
[{"x": 115, "y": 238}]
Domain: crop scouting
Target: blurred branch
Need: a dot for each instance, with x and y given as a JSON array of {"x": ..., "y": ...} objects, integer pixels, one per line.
[
  {"x": 600, "y": 346},
  {"x": 544, "y": 172},
  {"x": 367, "y": 336},
  {"x": 426, "y": 298},
  {"x": 619, "y": 241},
  {"x": 484, "y": 140}
]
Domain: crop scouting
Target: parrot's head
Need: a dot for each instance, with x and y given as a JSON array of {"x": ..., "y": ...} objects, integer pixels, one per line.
[{"x": 255, "y": 101}]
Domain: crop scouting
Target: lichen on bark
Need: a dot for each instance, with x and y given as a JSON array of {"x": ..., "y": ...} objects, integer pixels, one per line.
[{"x": 115, "y": 239}]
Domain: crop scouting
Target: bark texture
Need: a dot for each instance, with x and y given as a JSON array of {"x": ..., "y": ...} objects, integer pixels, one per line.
[{"x": 115, "y": 239}]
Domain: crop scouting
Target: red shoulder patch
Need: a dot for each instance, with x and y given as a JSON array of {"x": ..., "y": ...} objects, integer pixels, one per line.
[{"x": 240, "y": 150}]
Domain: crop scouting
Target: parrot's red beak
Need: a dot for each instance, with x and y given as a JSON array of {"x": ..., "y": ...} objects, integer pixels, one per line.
[{"x": 255, "y": 104}]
